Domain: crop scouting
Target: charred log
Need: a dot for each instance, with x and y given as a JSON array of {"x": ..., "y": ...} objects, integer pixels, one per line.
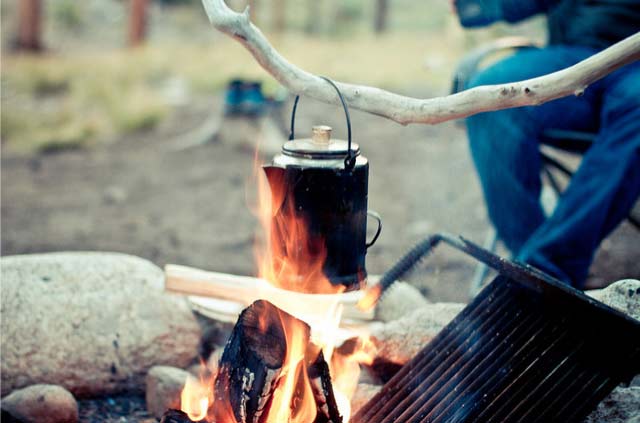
[
  {"x": 252, "y": 363},
  {"x": 251, "y": 367},
  {"x": 320, "y": 379}
]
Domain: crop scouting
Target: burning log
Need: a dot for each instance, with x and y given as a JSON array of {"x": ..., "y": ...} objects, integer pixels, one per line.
[
  {"x": 258, "y": 360},
  {"x": 320, "y": 379},
  {"x": 252, "y": 363}
]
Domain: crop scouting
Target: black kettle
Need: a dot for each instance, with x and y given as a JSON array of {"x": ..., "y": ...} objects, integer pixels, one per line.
[{"x": 323, "y": 183}]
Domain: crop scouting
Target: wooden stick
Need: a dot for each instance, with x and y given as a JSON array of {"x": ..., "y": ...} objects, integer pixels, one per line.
[
  {"x": 404, "y": 110},
  {"x": 245, "y": 290}
]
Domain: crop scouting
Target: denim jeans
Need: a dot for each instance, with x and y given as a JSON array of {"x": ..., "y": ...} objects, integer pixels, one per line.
[{"x": 505, "y": 149}]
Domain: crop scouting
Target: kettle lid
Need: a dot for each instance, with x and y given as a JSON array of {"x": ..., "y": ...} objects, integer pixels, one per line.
[{"x": 319, "y": 146}]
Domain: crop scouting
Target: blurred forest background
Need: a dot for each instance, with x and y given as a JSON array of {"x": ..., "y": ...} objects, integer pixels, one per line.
[{"x": 101, "y": 69}]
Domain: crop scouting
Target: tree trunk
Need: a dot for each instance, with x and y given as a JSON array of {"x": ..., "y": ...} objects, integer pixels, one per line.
[
  {"x": 30, "y": 25},
  {"x": 381, "y": 15},
  {"x": 137, "y": 22},
  {"x": 313, "y": 17},
  {"x": 253, "y": 11},
  {"x": 279, "y": 15}
]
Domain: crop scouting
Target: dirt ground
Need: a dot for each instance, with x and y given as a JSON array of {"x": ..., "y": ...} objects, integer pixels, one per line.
[{"x": 156, "y": 197}]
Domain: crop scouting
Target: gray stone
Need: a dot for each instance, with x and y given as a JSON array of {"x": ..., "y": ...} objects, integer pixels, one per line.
[
  {"x": 41, "y": 404},
  {"x": 115, "y": 195},
  {"x": 399, "y": 300},
  {"x": 621, "y": 406},
  {"x": 400, "y": 340},
  {"x": 364, "y": 392},
  {"x": 623, "y": 295},
  {"x": 164, "y": 385},
  {"x": 91, "y": 322}
]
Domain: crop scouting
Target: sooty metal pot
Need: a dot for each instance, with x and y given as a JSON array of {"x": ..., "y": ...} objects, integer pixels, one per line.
[{"x": 322, "y": 182}]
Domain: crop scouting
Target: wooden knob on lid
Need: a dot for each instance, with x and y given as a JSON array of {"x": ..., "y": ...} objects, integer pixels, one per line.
[{"x": 321, "y": 135}]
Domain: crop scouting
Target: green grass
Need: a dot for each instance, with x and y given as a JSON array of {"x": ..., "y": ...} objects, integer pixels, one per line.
[{"x": 57, "y": 102}]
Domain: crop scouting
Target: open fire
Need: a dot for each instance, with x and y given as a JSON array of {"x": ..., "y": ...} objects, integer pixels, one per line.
[
  {"x": 281, "y": 363},
  {"x": 297, "y": 342}
]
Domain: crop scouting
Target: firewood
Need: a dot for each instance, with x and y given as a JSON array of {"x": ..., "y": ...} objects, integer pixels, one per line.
[
  {"x": 320, "y": 379},
  {"x": 245, "y": 290},
  {"x": 251, "y": 367},
  {"x": 252, "y": 363}
]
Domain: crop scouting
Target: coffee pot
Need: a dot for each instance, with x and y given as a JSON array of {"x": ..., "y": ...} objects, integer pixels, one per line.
[{"x": 323, "y": 183}]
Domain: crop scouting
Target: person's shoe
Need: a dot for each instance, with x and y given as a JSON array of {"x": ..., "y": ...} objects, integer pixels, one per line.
[
  {"x": 233, "y": 97},
  {"x": 253, "y": 101}
]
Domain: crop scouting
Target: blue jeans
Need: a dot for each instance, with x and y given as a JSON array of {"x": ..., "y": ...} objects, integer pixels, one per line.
[{"x": 505, "y": 150}]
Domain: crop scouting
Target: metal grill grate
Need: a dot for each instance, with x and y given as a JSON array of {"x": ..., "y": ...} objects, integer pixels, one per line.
[{"x": 528, "y": 351}]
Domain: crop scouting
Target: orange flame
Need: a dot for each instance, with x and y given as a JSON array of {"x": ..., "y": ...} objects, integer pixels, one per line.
[
  {"x": 345, "y": 370},
  {"x": 289, "y": 257},
  {"x": 196, "y": 397},
  {"x": 293, "y": 399},
  {"x": 370, "y": 298}
]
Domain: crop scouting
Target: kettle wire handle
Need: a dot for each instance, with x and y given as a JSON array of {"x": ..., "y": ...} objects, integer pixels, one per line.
[{"x": 350, "y": 160}]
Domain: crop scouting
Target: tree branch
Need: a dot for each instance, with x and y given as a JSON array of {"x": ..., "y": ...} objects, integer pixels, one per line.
[{"x": 404, "y": 110}]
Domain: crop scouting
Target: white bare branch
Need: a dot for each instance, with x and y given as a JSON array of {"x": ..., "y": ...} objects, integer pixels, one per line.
[{"x": 404, "y": 110}]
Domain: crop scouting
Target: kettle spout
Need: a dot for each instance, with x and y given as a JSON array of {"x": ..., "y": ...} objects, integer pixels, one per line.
[
  {"x": 275, "y": 174},
  {"x": 276, "y": 179}
]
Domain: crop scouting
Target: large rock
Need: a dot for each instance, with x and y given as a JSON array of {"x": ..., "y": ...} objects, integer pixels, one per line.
[
  {"x": 399, "y": 300},
  {"x": 623, "y": 295},
  {"x": 364, "y": 392},
  {"x": 621, "y": 406},
  {"x": 92, "y": 322},
  {"x": 41, "y": 404},
  {"x": 400, "y": 340},
  {"x": 164, "y": 386}
]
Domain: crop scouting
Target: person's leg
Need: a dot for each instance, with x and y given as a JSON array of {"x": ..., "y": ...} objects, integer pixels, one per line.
[
  {"x": 505, "y": 144},
  {"x": 603, "y": 190}
]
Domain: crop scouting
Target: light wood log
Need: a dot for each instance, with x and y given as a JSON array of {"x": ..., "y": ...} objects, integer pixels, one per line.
[{"x": 311, "y": 308}]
